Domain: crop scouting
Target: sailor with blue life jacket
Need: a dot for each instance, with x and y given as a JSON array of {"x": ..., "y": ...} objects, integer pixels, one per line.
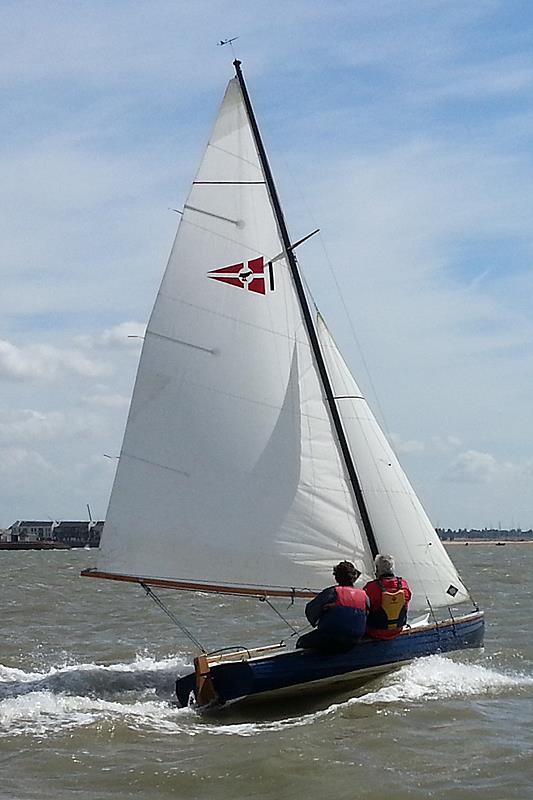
[
  {"x": 338, "y": 613},
  {"x": 389, "y": 599}
]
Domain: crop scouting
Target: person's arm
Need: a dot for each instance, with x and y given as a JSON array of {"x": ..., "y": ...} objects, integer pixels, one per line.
[
  {"x": 315, "y": 607},
  {"x": 373, "y": 597}
]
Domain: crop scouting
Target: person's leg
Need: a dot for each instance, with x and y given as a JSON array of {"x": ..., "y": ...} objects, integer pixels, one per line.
[
  {"x": 311, "y": 640},
  {"x": 326, "y": 643}
]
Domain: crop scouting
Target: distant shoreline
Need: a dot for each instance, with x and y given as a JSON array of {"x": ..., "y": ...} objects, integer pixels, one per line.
[{"x": 499, "y": 542}]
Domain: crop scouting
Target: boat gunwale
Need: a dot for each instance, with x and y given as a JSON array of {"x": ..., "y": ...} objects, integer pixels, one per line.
[
  {"x": 275, "y": 650},
  {"x": 254, "y": 653}
]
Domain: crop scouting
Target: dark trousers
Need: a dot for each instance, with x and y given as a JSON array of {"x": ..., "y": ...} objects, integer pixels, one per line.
[{"x": 326, "y": 642}]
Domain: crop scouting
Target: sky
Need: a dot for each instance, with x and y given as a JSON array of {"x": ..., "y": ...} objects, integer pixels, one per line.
[{"x": 403, "y": 130}]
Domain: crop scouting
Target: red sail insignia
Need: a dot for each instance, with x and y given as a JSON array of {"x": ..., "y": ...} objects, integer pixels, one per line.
[{"x": 249, "y": 275}]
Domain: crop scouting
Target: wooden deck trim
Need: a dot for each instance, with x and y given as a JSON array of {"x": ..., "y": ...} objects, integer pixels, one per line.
[
  {"x": 445, "y": 623},
  {"x": 244, "y": 654}
]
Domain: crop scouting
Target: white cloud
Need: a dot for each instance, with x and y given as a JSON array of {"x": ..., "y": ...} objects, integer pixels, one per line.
[
  {"x": 503, "y": 77},
  {"x": 42, "y": 362},
  {"x": 35, "y": 486},
  {"x": 124, "y": 335},
  {"x": 30, "y": 426},
  {"x": 527, "y": 469},
  {"x": 445, "y": 444},
  {"x": 402, "y": 446},
  {"x": 23, "y": 459},
  {"x": 46, "y": 42},
  {"x": 436, "y": 444},
  {"x": 475, "y": 467},
  {"x": 26, "y": 475},
  {"x": 107, "y": 400}
]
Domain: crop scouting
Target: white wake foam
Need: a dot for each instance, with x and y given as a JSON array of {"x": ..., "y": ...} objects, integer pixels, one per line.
[
  {"x": 437, "y": 678},
  {"x": 139, "y": 695},
  {"x": 140, "y": 664},
  {"x": 426, "y": 679},
  {"x": 73, "y": 695}
]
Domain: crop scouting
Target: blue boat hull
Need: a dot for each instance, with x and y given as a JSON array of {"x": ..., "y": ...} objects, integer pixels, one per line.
[{"x": 306, "y": 670}]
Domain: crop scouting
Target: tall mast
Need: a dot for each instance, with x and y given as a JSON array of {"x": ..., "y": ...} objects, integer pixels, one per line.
[{"x": 308, "y": 318}]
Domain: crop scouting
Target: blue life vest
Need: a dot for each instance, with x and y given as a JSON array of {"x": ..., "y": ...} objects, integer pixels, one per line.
[{"x": 347, "y": 618}]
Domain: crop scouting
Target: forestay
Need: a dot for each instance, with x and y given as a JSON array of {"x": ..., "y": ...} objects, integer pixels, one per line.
[{"x": 229, "y": 472}]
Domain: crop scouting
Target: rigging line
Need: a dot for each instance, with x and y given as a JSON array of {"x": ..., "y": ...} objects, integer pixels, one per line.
[
  {"x": 181, "y": 341},
  {"x": 157, "y": 600},
  {"x": 459, "y": 576},
  {"x": 228, "y": 183},
  {"x": 215, "y": 216},
  {"x": 343, "y": 303},
  {"x": 234, "y": 155},
  {"x": 265, "y": 599},
  {"x": 307, "y": 316},
  {"x": 359, "y": 522},
  {"x": 393, "y": 509},
  {"x": 407, "y": 544},
  {"x": 430, "y": 550},
  {"x": 214, "y": 233},
  {"x": 469, "y": 593},
  {"x": 154, "y": 464},
  {"x": 357, "y": 342},
  {"x": 435, "y": 620},
  {"x": 271, "y": 330}
]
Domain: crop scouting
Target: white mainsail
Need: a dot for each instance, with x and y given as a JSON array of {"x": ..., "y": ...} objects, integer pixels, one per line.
[
  {"x": 229, "y": 473},
  {"x": 400, "y": 524}
]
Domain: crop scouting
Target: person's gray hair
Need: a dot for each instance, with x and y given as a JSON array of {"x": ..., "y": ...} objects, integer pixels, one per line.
[{"x": 383, "y": 564}]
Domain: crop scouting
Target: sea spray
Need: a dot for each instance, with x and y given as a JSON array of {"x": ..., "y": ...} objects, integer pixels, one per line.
[{"x": 139, "y": 694}]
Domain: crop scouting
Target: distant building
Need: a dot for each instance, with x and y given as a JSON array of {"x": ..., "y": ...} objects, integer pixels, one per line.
[
  {"x": 30, "y": 531},
  {"x": 78, "y": 533}
]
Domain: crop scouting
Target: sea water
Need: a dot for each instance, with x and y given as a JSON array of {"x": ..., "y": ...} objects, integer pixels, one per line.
[{"x": 87, "y": 672}]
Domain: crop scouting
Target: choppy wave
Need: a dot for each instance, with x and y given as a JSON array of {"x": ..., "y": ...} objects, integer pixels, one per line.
[
  {"x": 76, "y": 695},
  {"x": 440, "y": 678},
  {"x": 91, "y": 679},
  {"x": 140, "y": 695}
]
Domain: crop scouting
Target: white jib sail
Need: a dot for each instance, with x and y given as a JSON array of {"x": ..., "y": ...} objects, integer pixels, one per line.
[
  {"x": 400, "y": 524},
  {"x": 229, "y": 473}
]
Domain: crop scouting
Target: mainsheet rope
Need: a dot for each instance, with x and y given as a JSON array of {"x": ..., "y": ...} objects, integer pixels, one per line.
[
  {"x": 173, "y": 617},
  {"x": 183, "y": 628},
  {"x": 294, "y": 630}
]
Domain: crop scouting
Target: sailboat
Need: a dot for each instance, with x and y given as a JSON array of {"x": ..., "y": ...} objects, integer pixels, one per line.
[{"x": 251, "y": 461}]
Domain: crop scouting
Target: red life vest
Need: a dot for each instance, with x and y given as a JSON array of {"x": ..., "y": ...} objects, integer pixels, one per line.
[
  {"x": 394, "y": 605},
  {"x": 387, "y": 619},
  {"x": 351, "y": 597}
]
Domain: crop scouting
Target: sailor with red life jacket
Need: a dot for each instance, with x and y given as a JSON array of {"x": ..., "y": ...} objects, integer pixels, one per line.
[
  {"x": 389, "y": 599},
  {"x": 338, "y": 613}
]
